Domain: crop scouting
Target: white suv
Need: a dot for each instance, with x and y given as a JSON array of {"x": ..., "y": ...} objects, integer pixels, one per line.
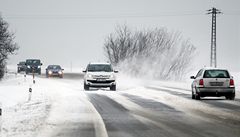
[
  {"x": 213, "y": 82},
  {"x": 99, "y": 75}
]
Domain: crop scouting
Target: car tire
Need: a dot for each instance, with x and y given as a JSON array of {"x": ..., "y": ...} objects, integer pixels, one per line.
[
  {"x": 193, "y": 96},
  {"x": 231, "y": 97},
  {"x": 197, "y": 97},
  {"x": 86, "y": 87},
  {"x": 113, "y": 88}
]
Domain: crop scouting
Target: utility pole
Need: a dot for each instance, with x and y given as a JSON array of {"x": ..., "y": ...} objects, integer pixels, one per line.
[{"x": 213, "y": 57}]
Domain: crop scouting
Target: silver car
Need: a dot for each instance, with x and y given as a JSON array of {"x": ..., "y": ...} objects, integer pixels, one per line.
[{"x": 213, "y": 82}]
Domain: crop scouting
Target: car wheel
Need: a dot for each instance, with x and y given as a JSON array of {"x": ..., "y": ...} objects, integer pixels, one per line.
[
  {"x": 193, "y": 96},
  {"x": 232, "y": 97},
  {"x": 113, "y": 88},
  {"x": 86, "y": 87},
  {"x": 197, "y": 97}
]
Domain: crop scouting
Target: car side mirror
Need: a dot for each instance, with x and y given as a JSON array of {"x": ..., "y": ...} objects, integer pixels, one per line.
[
  {"x": 192, "y": 77},
  {"x": 18, "y": 64},
  {"x": 41, "y": 64},
  {"x": 84, "y": 71},
  {"x": 115, "y": 71},
  {"x": 62, "y": 69},
  {"x": 231, "y": 77}
]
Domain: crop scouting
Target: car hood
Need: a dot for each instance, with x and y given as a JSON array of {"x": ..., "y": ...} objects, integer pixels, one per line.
[
  {"x": 54, "y": 69},
  {"x": 100, "y": 73}
]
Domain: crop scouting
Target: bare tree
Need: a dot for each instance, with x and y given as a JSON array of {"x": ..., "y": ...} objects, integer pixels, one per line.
[
  {"x": 7, "y": 45},
  {"x": 154, "y": 53}
]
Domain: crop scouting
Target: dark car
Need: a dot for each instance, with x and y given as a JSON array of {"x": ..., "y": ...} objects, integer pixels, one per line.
[
  {"x": 33, "y": 66},
  {"x": 21, "y": 66},
  {"x": 54, "y": 70}
]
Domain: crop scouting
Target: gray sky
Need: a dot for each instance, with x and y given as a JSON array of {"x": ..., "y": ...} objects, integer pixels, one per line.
[{"x": 64, "y": 31}]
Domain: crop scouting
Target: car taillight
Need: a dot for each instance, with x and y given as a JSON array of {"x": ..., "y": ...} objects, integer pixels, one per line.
[
  {"x": 231, "y": 82},
  {"x": 201, "y": 83}
]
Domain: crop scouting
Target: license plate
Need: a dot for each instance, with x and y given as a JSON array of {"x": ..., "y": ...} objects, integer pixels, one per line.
[
  {"x": 216, "y": 83},
  {"x": 100, "y": 79}
]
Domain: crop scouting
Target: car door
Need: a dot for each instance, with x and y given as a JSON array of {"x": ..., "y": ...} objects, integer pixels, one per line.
[{"x": 196, "y": 80}]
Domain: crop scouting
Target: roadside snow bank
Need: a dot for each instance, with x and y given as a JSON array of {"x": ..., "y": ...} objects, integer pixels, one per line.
[{"x": 22, "y": 113}]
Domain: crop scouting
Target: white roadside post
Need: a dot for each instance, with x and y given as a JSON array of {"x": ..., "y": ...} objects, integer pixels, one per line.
[
  {"x": 0, "y": 118},
  {"x": 25, "y": 77},
  {"x": 30, "y": 93},
  {"x": 33, "y": 76}
]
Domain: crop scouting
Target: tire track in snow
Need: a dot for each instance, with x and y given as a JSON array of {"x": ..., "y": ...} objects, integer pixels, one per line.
[
  {"x": 213, "y": 102},
  {"x": 120, "y": 121},
  {"x": 169, "y": 123}
]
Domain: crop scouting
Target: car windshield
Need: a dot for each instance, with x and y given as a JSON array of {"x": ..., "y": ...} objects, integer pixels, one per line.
[
  {"x": 54, "y": 67},
  {"x": 216, "y": 74},
  {"x": 33, "y": 62},
  {"x": 22, "y": 63},
  {"x": 99, "y": 67}
]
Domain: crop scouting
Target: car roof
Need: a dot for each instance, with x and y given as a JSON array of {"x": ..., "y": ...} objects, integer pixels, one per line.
[
  {"x": 33, "y": 59},
  {"x": 54, "y": 65},
  {"x": 100, "y": 63},
  {"x": 212, "y": 68}
]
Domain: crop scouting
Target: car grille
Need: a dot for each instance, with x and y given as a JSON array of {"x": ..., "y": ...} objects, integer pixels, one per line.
[
  {"x": 216, "y": 83},
  {"x": 103, "y": 82},
  {"x": 100, "y": 76}
]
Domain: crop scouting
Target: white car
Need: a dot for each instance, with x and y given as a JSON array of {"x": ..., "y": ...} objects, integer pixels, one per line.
[
  {"x": 99, "y": 75},
  {"x": 213, "y": 82}
]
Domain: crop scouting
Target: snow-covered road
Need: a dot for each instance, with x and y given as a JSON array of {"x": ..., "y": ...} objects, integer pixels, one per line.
[{"x": 61, "y": 108}]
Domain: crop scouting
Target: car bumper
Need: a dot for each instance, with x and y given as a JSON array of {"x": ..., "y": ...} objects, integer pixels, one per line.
[
  {"x": 95, "y": 83},
  {"x": 33, "y": 70},
  {"x": 215, "y": 92},
  {"x": 55, "y": 74},
  {"x": 21, "y": 69}
]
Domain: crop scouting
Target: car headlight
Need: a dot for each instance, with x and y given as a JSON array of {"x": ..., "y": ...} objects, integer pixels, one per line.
[
  {"x": 50, "y": 72},
  {"x": 39, "y": 66},
  {"x": 28, "y": 67},
  {"x": 89, "y": 75},
  {"x": 59, "y": 72},
  {"x": 111, "y": 76}
]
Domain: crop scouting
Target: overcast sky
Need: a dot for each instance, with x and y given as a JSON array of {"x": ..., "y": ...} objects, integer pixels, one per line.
[{"x": 65, "y": 31}]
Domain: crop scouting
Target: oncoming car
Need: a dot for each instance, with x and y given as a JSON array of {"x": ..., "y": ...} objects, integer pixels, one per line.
[
  {"x": 99, "y": 75},
  {"x": 33, "y": 66},
  {"x": 54, "y": 70},
  {"x": 213, "y": 82},
  {"x": 21, "y": 66}
]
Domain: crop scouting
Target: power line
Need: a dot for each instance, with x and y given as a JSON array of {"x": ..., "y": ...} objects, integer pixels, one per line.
[{"x": 71, "y": 16}]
